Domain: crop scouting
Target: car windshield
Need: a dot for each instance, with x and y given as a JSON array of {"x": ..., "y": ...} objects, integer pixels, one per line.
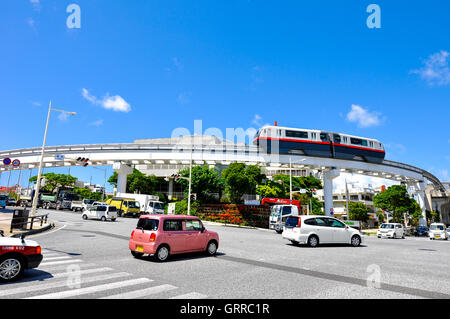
[
  {"x": 275, "y": 211},
  {"x": 437, "y": 227},
  {"x": 387, "y": 226},
  {"x": 158, "y": 206},
  {"x": 132, "y": 204},
  {"x": 89, "y": 201},
  {"x": 291, "y": 221}
]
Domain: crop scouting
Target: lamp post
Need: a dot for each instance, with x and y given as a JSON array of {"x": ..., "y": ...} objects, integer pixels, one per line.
[
  {"x": 190, "y": 184},
  {"x": 38, "y": 182},
  {"x": 347, "y": 195},
  {"x": 290, "y": 175},
  {"x": 104, "y": 181}
]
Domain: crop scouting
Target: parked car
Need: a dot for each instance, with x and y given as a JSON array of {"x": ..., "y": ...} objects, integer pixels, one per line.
[
  {"x": 163, "y": 235},
  {"x": 81, "y": 205},
  {"x": 314, "y": 230},
  {"x": 102, "y": 212},
  {"x": 11, "y": 201},
  {"x": 391, "y": 230},
  {"x": 16, "y": 255},
  {"x": 421, "y": 231},
  {"x": 438, "y": 231},
  {"x": 3, "y": 199}
]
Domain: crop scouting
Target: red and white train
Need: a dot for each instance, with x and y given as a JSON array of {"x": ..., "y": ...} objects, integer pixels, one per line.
[{"x": 285, "y": 140}]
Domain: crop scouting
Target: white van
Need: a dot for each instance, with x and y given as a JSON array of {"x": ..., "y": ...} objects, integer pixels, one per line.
[
  {"x": 149, "y": 204},
  {"x": 438, "y": 231},
  {"x": 102, "y": 212},
  {"x": 314, "y": 230},
  {"x": 279, "y": 214},
  {"x": 391, "y": 230}
]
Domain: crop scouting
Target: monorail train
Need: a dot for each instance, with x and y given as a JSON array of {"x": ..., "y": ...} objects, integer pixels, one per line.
[{"x": 285, "y": 140}]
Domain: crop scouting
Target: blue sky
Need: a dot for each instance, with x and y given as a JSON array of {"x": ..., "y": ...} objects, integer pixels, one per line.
[{"x": 139, "y": 69}]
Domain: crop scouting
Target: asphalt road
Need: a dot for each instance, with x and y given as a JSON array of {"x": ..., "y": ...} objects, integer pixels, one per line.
[{"x": 90, "y": 259}]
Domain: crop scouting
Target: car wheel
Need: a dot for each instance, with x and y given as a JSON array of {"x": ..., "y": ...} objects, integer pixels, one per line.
[
  {"x": 162, "y": 253},
  {"x": 103, "y": 219},
  {"x": 313, "y": 241},
  {"x": 356, "y": 241},
  {"x": 136, "y": 254},
  {"x": 211, "y": 249},
  {"x": 11, "y": 268},
  {"x": 84, "y": 216}
]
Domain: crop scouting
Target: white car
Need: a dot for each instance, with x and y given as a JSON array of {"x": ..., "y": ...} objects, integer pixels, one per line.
[
  {"x": 438, "y": 231},
  {"x": 102, "y": 212},
  {"x": 314, "y": 230},
  {"x": 391, "y": 230}
]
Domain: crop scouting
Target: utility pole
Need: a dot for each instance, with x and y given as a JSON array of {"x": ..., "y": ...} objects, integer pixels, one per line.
[{"x": 190, "y": 184}]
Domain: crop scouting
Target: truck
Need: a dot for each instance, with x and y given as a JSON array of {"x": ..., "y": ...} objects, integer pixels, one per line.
[
  {"x": 125, "y": 206},
  {"x": 65, "y": 199},
  {"x": 150, "y": 204},
  {"x": 280, "y": 210},
  {"x": 81, "y": 205}
]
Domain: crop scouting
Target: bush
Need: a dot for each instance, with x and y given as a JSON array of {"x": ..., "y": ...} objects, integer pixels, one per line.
[{"x": 181, "y": 208}]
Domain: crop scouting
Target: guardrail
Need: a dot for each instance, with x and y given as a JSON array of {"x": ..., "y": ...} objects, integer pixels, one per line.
[{"x": 23, "y": 222}]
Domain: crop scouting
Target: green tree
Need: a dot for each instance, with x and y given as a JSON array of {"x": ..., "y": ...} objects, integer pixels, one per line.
[
  {"x": 137, "y": 182},
  {"x": 271, "y": 189},
  {"x": 309, "y": 183},
  {"x": 396, "y": 199},
  {"x": 53, "y": 181},
  {"x": 240, "y": 180},
  {"x": 205, "y": 182},
  {"x": 358, "y": 211},
  {"x": 86, "y": 193}
]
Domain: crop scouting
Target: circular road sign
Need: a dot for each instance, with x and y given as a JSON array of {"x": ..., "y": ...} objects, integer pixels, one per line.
[
  {"x": 16, "y": 163},
  {"x": 7, "y": 161}
]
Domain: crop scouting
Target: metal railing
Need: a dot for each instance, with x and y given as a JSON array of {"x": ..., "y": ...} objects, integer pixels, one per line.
[{"x": 17, "y": 224}]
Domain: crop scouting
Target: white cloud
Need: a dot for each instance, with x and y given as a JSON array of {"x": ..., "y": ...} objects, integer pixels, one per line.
[
  {"x": 97, "y": 123},
  {"x": 36, "y": 103},
  {"x": 115, "y": 103},
  {"x": 63, "y": 116},
  {"x": 436, "y": 70},
  {"x": 363, "y": 117},
  {"x": 183, "y": 98},
  {"x": 257, "y": 120}
]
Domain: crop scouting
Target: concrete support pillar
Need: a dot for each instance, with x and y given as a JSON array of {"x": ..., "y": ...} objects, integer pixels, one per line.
[
  {"x": 421, "y": 200},
  {"x": 328, "y": 177},
  {"x": 123, "y": 171},
  {"x": 170, "y": 188}
]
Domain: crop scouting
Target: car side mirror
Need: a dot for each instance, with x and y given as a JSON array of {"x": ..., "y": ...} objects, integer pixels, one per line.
[
  {"x": 2, "y": 234},
  {"x": 203, "y": 229}
]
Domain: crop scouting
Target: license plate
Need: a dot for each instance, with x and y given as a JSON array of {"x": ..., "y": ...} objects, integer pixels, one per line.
[
  {"x": 140, "y": 249},
  {"x": 437, "y": 236}
]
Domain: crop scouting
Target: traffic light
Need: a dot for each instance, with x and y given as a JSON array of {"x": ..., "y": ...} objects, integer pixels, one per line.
[
  {"x": 83, "y": 161},
  {"x": 175, "y": 177}
]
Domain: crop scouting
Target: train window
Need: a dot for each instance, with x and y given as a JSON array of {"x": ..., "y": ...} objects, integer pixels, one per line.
[
  {"x": 314, "y": 136},
  {"x": 345, "y": 139},
  {"x": 364, "y": 143},
  {"x": 370, "y": 143},
  {"x": 356, "y": 141},
  {"x": 297, "y": 134},
  {"x": 323, "y": 136},
  {"x": 337, "y": 138}
]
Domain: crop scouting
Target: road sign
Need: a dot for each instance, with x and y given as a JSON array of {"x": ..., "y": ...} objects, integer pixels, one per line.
[
  {"x": 7, "y": 161},
  {"x": 331, "y": 211},
  {"x": 59, "y": 157},
  {"x": 16, "y": 163}
]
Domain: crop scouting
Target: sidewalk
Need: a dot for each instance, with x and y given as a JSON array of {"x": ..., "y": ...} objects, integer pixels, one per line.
[
  {"x": 5, "y": 222},
  {"x": 233, "y": 225}
]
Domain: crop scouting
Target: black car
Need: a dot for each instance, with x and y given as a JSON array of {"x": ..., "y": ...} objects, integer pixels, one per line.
[
  {"x": 422, "y": 231},
  {"x": 11, "y": 201}
]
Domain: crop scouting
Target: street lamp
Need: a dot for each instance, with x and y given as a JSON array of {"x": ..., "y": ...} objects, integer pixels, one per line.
[
  {"x": 38, "y": 182},
  {"x": 104, "y": 181},
  {"x": 347, "y": 195},
  {"x": 290, "y": 175}
]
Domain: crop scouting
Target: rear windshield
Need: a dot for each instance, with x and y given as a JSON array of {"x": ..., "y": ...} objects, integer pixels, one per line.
[
  {"x": 2, "y": 197},
  {"x": 291, "y": 221},
  {"x": 112, "y": 208},
  {"x": 148, "y": 224},
  {"x": 437, "y": 227},
  {"x": 388, "y": 226}
]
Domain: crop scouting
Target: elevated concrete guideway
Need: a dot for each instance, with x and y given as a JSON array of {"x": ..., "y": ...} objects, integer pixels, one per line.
[{"x": 173, "y": 153}]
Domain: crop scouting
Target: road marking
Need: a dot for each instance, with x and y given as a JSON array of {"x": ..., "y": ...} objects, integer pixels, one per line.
[
  {"x": 51, "y": 263},
  {"x": 56, "y": 258},
  {"x": 191, "y": 295},
  {"x": 63, "y": 267},
  {"x": 142, "y": 292},
  {"x": 58, "y": 284},
  {"x": 93, "y": 289}
]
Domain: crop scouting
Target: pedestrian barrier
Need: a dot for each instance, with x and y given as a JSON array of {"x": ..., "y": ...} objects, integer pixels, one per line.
[{"x": 21, "y": 220}]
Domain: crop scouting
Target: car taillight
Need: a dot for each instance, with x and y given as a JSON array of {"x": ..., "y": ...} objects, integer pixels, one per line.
[
  {"x": 38, "y": 250},
  {"x": 299, "y": 223},
  {"x": 153, "y": 237},
  {"x": 132, "y": 234}
]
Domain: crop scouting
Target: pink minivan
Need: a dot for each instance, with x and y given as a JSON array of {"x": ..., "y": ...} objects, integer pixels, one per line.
[{"x": 164, "y": 235}]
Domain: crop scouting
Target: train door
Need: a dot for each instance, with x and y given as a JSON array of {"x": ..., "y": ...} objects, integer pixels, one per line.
[{"x": 326, "y": 137}]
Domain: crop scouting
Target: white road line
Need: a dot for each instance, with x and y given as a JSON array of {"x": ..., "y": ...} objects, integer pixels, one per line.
[
  {"x": 93, "y": 289},
  {"x": 56, "y": 258},
  {"x": 51, "y": 263},
  {"x": 191, "y": 295},
  {"x": 82, "y": 272},
  {"x": 142, "y": 292},
  {"x": 58, "y": 284},
  {"x": 64, "y": 267}
]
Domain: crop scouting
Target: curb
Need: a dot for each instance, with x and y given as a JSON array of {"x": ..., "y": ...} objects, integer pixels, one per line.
[
  {"x": 34, "y": 231},
  {"x": 235, "y": 226}
]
